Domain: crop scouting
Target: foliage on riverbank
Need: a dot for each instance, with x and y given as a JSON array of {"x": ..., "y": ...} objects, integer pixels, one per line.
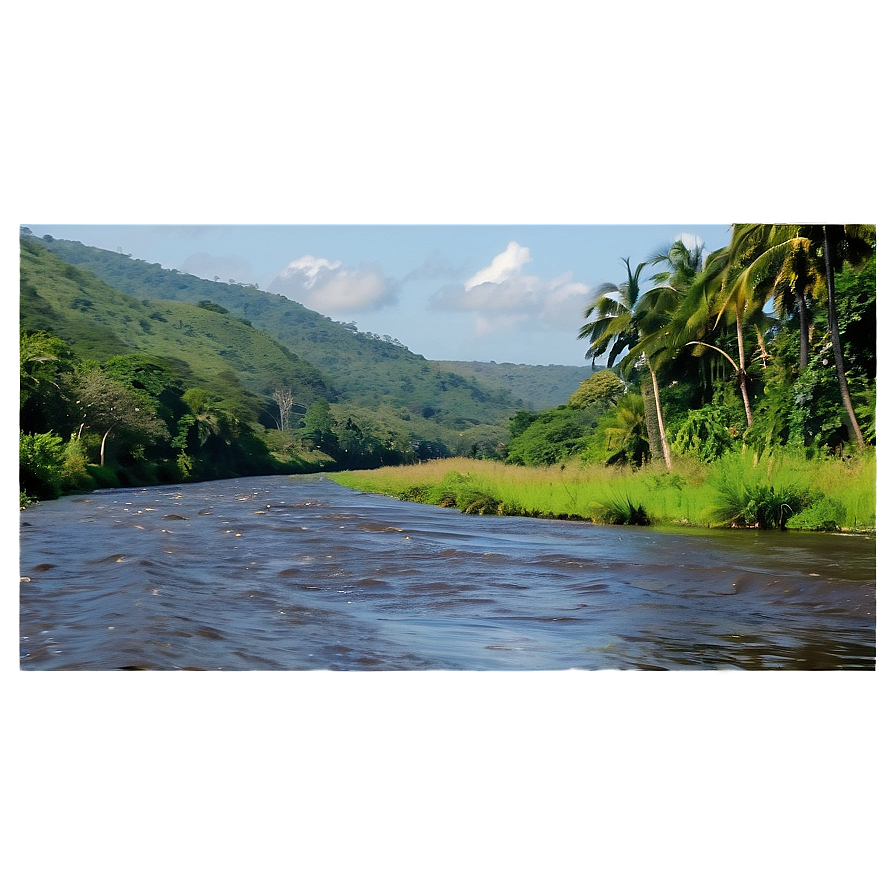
[{"x": 737, "y": 491}]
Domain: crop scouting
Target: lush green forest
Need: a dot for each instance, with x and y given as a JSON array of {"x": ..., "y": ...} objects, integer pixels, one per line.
[
  {"x": 212, "y": 393},
  {"x": 365, "y": 369},
  {"x": 764, "y": 349},
  {"x": 759, "y": 345},
  {"x": 741, "y": 393}
]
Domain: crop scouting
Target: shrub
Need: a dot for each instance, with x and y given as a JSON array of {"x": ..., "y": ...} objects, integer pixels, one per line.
[
  {"x": 104, "y": 477},
  {"x": 620, "y": 510},
  {"x": 41, "y": 457},
  {"x": 74, "y": 467},
  {"x": 705, "y": 434},
  {"x": 746, "y": 497},
  {"x": 822, "y": 515}
]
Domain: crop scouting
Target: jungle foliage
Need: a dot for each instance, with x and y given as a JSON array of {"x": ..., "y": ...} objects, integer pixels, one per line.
[{"x": 171, "y": 385}]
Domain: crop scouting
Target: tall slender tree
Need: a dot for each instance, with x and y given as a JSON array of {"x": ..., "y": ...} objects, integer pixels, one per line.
[{"x": 619, "y": 326}]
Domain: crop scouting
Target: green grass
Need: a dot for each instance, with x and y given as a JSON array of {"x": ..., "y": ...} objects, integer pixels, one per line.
[{"x": 842, "y": 493}]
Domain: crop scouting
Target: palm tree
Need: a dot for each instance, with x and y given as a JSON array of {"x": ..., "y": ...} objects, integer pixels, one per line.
[
  {"x": 821, "y": 250},
  {"x": 626, "y": 429},
  {"x": 621, "y": 323},
  {"x": 725, "y": 290}
]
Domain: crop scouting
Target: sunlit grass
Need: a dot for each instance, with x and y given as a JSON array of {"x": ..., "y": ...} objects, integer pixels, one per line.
[{"x": 689, "y": 496}]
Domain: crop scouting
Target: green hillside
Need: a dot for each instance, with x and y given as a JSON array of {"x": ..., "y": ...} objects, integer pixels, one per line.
[
  {"x": 365, "y": 370},
  {"x": 538, "y": 386},
  {"x": 210, "y": 348}
]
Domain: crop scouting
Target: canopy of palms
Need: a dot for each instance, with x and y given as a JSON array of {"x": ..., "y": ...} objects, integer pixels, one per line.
[
  {"x": 796, "y": 258},
  {"x": 622, "y": 321}
]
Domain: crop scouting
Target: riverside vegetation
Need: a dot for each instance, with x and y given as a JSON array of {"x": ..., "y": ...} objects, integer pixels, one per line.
[
  {"x": 744, "y": 396},
  {"x": 785, "y": 490},
  {"x": 740, "y": 390}
]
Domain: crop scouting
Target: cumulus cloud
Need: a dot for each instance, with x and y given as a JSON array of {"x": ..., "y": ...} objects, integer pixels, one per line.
[
  {"x": 503, "y": 266},
  {"x": 224, "y": 267},
  {"x": 500, "y": 296},
  {"x": 329, "y": 287}
]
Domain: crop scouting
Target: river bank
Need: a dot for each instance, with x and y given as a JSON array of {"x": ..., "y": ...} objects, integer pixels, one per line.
[{"x": 738, "y": 491}]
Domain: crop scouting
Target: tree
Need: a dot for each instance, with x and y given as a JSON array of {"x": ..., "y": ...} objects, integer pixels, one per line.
[
  {"x": 625, "y": 432},
  {"x": 318, "y": 425},
  {"x": 621, "y": 323},
  {"x": 45, "y": 400},
  {"x": 284, "y": 400},
  {"x": 106, "y": 405},
  {"x": 765, "y": 249},
  {"x": 724, "y": 290},
  {"x": 602, "y": 388}
]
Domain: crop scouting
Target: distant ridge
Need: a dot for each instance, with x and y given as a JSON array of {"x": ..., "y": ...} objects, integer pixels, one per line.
[{"x": 538, "y": 386}]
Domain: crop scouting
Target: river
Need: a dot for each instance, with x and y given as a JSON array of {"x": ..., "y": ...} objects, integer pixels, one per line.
[{"x": 299, "y": 573}]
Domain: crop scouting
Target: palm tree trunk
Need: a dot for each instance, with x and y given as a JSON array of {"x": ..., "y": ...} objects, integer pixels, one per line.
[
  {"x": 804, "y": 332},
  {"x": 835, "y": 344},
  {"x": 667, "y": 456},
  {"x": 653, "y": 428},
  {"x": 742, "y": 370}
]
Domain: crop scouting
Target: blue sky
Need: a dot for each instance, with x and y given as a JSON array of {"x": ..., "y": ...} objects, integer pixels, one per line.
[{"x": 475, "y": 293}]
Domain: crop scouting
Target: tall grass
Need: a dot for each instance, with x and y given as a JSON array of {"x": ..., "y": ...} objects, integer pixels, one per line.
[{"x": 818, "y": 493}]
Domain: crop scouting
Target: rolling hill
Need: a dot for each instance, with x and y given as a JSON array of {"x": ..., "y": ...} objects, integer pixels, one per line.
[
  {"x": 364, "y": 369},
  {"x": 538, "y": 386}
]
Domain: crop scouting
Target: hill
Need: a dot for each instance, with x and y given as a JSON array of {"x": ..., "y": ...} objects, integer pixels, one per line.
[
  {"x": 539, "y": 387},
  {"x": 208, "y": 347},
  {"x": 365, "y": 370}
]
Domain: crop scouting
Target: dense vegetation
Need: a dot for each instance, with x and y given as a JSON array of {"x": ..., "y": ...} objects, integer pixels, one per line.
[
  {"x": 120, "y": 389},
  {"x": 411, "y": 394},
  {"x": 747, "y": 375},
  {"x": 749, "y": 371},
  {"x": 812, "y": 494}
]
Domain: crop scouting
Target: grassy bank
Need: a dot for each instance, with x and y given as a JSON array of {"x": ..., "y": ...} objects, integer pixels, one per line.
[{"x": 735, "y": 491}]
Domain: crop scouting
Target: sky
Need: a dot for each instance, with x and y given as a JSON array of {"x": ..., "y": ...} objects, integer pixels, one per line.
[{"x": 512, "y": 293}]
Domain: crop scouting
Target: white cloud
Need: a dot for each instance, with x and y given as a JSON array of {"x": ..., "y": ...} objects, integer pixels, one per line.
[
  {"x": 329, "y": 287},
  {"x": 500, "y": 297},
  {"x": 503, "y": 266},
  {"x": 308, "y": 267}
]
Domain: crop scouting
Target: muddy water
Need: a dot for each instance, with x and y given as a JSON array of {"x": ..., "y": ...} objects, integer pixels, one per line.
[{"x": 300, "y": 573}]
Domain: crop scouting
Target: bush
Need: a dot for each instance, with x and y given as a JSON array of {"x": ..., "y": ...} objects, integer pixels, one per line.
[
  {"x": 746, "y": 497},
  {"x": 620, "y": 510},
  {"x": 822, "y": 515},
  {"x": 705, "y": 434},
  {"x": 75, "y": 477},
  {"x": 104, "y": 477},
  {"x": 41, "y": 458}
]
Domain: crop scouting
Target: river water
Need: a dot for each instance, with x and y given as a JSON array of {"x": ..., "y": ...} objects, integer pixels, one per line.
[{"x": 298, "y": 573}]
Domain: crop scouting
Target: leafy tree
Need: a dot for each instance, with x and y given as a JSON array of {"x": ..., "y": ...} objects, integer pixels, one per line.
[
  {"x": 318, "y": 425},
  {"x": 107, "y": 405},
  {"x": 43, "y": 362},
  {"x": 601, "y": 389},
  {"x": 554, "y": 436}
]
